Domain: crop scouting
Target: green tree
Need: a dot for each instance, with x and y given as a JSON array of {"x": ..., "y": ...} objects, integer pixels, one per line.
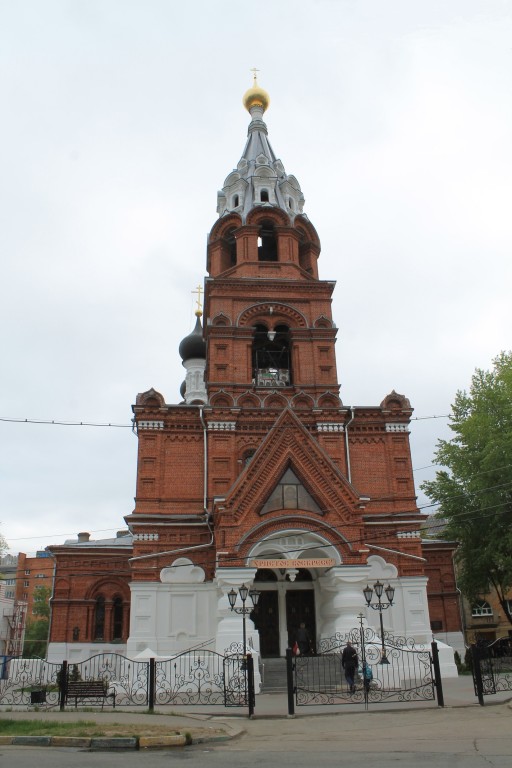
[
  {"x": 41, "y": 604},
  {"x": 36, "y": 631},
  {"x": 475, "y": 490}
]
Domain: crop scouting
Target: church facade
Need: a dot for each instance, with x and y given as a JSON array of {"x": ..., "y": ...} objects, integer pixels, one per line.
[{"x": 261, "y": 476}]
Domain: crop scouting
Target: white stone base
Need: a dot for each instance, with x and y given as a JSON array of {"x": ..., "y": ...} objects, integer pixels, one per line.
[
  {"x": 446, "y": 662},
  {"x": 74, "y": 653}
]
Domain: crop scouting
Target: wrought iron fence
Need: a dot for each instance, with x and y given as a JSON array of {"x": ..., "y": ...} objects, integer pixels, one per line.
[
  {"x": 389, "y": 669},
  {"x": 192, "y": 677},
  {"x": 492, "y": 667},
  {"x": 29, "y": 681}
]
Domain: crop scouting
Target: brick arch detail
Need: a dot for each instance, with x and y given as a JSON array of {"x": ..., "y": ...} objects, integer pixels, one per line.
[
  {"x": 264, "y": 213},
  {"x": 302, "y": 224},
  {"x": 109, "y": 588},
  {"x": 248, "y": 400},
  {"x": 221, "y": 226},
  {"x": 323, "y": 322},
  {"x": 302, "y": 400},
  {"x": 275, "y": 400},
  {"x": 279, "y": 311},
  {"x": 221, "y": 320},
  {"x": 222, "y": 399},
  {"x": 293, "y": 526},
  {"x": 329, "y": 400}
]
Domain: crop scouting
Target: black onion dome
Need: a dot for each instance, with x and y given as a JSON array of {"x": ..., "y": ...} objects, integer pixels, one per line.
[
  {"x": 193, "y": 345},
  {"x": 183, "y": 389}
]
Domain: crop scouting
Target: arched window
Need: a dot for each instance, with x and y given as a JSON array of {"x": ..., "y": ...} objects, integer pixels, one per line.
[
  {"x": 264, "y": 195},
  {"x": 271, "y": 358},
  {"x": 99, "y": 618},
  {"x": 481, "y": 608},
  {"x": 236, "y": 201},
  {"x": 117, "y": 619},
  {"x": 267, "y": 242},
  {"x": 248, "y": 456}
]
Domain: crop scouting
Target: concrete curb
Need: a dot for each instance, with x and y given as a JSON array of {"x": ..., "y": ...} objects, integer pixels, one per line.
[
  {"x": 107, "y": 744},
  {"x": 98, "y": 744}
]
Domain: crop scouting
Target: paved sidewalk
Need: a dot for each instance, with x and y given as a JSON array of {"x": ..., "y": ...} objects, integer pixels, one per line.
[{"x": 211, "y": 723}]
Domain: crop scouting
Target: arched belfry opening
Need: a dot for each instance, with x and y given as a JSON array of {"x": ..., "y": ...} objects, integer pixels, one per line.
[
  {"x": 271, "y": 356},
  {"x": 230, "y": 242},
  {"x": 267, "y": 242}
]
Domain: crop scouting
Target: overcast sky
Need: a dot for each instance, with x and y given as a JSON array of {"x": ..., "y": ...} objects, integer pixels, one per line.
[{"x": 120, "y": 121}]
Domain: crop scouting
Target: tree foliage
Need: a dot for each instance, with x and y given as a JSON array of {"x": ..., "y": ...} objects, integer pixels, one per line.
[
  {"x": 36, "y": 638},
  {"x": 3, "y": 545},
  {"x": 36, "y": 631},
  {"x": 41, "y": 604},
  {"x": 475, "y": 490}
]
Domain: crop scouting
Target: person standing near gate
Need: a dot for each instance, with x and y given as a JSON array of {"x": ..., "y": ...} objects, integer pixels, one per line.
[
  {"x": 303, "y": 640},
  {"x": 349, "y": 662}
]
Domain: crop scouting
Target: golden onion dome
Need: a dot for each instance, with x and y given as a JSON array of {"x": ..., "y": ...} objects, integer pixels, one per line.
[{"x": 256, "y": 97}]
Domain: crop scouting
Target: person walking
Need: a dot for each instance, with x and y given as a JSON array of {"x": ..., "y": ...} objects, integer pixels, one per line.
[
  {"x": 367, "y": 676},
  {"x": 349, "y": 662}
]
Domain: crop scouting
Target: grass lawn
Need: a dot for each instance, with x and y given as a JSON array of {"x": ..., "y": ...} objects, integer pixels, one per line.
[{"x": 92, "y": 729}]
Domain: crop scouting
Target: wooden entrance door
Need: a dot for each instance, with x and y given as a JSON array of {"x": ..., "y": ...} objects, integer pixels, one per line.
[
  {"x": 300, "y": 606},
  {"x": 266, "y": 621}
]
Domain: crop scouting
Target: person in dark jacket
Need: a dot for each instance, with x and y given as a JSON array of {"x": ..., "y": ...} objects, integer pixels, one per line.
[
  {"x": 349, "y": 662},
  {"x": 303, "y": 639}
]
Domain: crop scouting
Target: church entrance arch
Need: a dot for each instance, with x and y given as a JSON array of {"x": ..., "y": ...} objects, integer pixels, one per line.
[{"x": 288, "y": 591}]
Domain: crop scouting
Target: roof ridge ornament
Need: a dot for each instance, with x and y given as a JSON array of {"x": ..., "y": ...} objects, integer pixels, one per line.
[
  {"x": 256, "y": 97},
  {"x": 199, "y": 290}
]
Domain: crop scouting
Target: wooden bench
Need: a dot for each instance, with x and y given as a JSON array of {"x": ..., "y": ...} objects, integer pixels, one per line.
[{"x": 89, "y": 689}]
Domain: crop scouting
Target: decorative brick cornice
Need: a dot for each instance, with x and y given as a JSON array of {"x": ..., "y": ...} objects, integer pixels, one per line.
[
  {"x": 396, "y": 427},
  {"x": 150, "y": 424},
  {"x": 145, "y": 536},
  {"x": 222, "y": 426},
  {"x": 408, "y": 535},
  {"x": 328, "y": 426}
]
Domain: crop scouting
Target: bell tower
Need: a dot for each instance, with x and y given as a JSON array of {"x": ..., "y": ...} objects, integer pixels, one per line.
[{"x": 270, "y": 329}]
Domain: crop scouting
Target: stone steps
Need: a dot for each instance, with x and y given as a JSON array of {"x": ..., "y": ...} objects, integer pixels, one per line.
[{"x": 274, "y": 676}]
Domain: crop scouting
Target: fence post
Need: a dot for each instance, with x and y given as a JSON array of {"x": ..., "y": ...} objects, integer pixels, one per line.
[
  {"x": 477, "y": 674},
  {"x": 151, "y": 686},
  {"x": 437, "y": 674},
  {"x": 250, "y": 683},
  {"x": 289, "y": 682},
  {"x": 62, "y": 678}
]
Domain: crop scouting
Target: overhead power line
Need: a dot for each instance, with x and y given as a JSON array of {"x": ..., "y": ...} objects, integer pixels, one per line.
[
  {"x": 63, "y": 423},
  {"x": 57, "y": 423}
]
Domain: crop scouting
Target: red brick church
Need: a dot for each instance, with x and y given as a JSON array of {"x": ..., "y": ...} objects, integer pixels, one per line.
[{"x": 261, "y": 475}]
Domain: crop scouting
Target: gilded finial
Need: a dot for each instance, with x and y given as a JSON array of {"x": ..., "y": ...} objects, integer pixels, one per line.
[
  {"x": 199, "y": 310},
  {"x": 256, "y": 96}
]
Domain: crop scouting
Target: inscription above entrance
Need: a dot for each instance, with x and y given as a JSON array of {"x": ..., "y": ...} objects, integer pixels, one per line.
[{"x": 314, "y": 562}]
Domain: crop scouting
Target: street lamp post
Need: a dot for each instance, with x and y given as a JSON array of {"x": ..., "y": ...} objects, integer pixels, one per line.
[
  {"x": 244, "y": 611},
  {"x": 380, "y": 606}
]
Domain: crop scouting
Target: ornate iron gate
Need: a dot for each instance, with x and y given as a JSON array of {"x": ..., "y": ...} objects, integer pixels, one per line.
[
  {"x": 396, "y": 670},
  {"x": 492, "y": 667}
]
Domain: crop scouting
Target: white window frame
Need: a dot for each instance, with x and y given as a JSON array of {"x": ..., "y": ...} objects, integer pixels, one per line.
[{"x": 481, "y": 608}]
